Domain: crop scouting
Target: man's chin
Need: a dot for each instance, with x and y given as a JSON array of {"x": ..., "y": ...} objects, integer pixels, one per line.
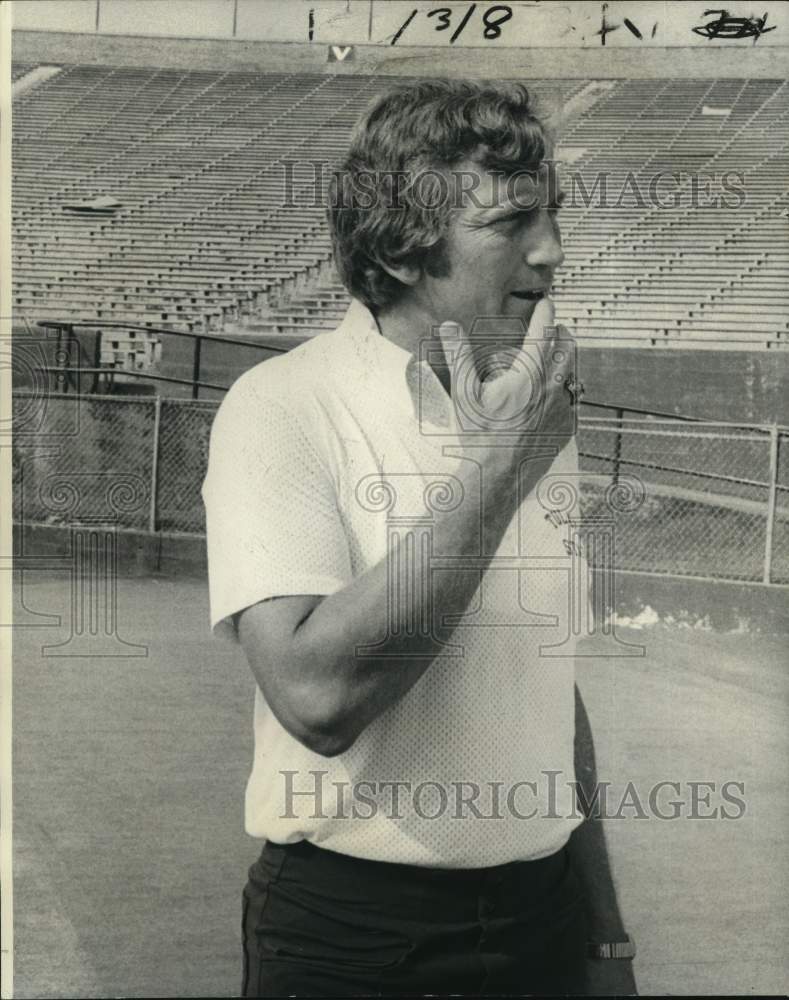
[{"x": 523, "y": 309}]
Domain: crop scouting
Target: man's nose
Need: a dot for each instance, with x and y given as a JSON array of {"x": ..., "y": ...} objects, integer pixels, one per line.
[{"x": 546, "y": 249}]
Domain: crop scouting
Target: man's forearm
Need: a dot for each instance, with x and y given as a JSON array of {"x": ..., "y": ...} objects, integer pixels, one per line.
[{"x": 364, "y": 613}]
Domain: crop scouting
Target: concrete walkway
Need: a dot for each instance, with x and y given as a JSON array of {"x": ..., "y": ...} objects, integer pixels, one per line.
[{"x": 129, "y": 776}]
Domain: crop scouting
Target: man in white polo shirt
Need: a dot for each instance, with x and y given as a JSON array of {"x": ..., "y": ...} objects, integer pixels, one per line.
[{"x": 379, "y": 543}]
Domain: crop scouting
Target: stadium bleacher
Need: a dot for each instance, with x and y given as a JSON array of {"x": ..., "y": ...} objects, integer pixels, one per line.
[
  {"x": 192, "y": 158},
  {"x": 679, "y": 271},
  {"x": 205, "y": 235}
]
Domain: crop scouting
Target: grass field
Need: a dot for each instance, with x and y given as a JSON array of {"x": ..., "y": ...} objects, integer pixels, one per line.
[{"x": 129, "y": 774}]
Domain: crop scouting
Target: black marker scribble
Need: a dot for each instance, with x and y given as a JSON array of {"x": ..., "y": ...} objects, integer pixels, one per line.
[
  {"x": 462, "y": 24},
  {"x": 733, "y": 27},
  {"x": 403, "y": 26},
  {"x": 605, "y": 27},
  {"x": 631, "y": 27}
]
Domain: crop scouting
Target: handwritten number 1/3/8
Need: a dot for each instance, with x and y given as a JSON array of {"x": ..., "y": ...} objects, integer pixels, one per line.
[{"x": 492, "y": 20}]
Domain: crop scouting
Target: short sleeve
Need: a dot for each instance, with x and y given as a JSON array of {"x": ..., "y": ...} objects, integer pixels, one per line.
[{"x": 272, "y": 520}]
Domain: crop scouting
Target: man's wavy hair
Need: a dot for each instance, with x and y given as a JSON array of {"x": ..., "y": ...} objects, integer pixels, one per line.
[{"x": 387, "y": 202}]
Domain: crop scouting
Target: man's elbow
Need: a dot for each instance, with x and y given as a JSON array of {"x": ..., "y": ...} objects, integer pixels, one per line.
[
  {"x": 322, "y": 725},
  {"x": 325, "y": 741}
]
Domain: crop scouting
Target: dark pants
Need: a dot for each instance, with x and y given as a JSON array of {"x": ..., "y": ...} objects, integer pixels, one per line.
[{"x": 317, "y": 923}]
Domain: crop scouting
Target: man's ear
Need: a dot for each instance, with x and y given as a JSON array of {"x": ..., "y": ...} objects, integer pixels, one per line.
[{"x": 406, "y": 274}]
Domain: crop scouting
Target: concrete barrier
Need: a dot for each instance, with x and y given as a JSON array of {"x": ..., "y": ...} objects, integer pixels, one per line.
[{"x": 640, "y": 598}]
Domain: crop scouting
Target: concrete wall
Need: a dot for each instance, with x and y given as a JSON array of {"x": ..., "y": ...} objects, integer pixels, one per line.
[
  {"x": 747, "y": 386},
  {"x": 551, "y": 23},
  {"x": 719, "y": 605}
]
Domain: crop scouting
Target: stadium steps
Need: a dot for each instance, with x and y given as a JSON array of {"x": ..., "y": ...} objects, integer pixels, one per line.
[{"x": 197, "y": 160}]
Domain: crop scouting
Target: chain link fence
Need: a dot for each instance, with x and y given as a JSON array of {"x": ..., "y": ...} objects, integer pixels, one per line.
[
  {"x": 715, "y": 498},
  {"x": 82, "y": 458},
  {"x": 184, "y": 434}
]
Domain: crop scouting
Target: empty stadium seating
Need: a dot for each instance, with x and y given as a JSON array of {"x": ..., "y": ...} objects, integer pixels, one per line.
[
  {"x": 207, "y": 234},
  {"x": 682, "y": 272}
]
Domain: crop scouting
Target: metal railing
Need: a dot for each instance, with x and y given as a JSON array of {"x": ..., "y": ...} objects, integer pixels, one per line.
[
  {"x": 619, "y": 416},
  {"x": 67, "y": 347},
  {"x": 716, "y": 495}
]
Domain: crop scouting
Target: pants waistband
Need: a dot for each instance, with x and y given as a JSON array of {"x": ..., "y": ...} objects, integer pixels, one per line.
[{"x": 535, "y": 873}]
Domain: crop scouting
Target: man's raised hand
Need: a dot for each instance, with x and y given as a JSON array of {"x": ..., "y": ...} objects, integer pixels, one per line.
[{"x": 518, "y": 396}]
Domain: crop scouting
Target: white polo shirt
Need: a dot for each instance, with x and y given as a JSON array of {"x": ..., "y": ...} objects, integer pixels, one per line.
[{"x": 474, "y": 765}]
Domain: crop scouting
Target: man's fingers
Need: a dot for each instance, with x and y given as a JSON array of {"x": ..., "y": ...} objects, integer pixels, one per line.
[{"x": 543, "y": 319}]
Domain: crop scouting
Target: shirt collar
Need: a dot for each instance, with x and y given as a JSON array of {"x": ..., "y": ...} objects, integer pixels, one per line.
[{"x": 387, "y": 369}]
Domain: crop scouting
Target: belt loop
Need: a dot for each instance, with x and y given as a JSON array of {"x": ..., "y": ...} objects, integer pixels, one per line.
[{"x": 276, "y": 854}]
